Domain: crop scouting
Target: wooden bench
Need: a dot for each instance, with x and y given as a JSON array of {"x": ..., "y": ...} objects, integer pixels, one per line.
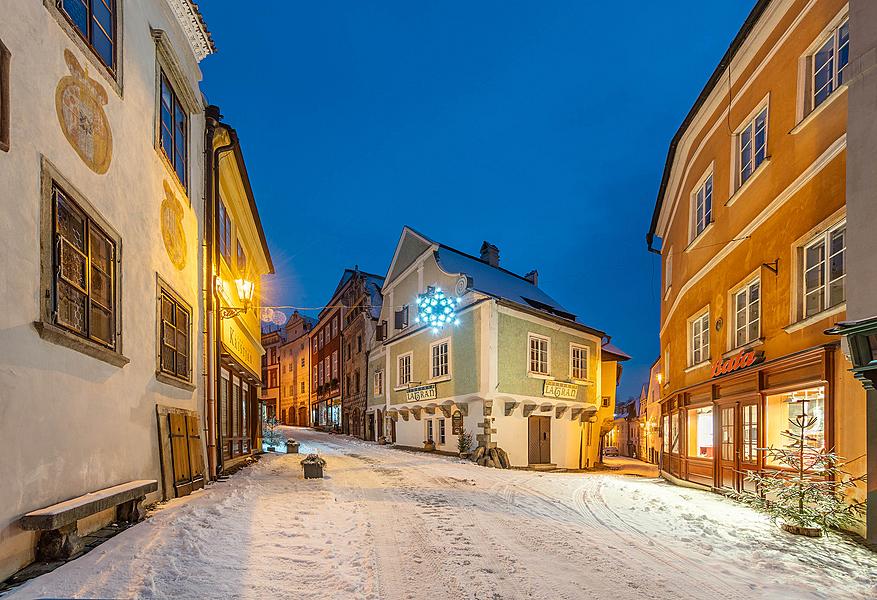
[{"x": 57, "y": 523}]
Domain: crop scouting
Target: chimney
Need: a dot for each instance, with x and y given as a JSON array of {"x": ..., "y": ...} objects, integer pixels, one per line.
[
  {"x": 533, "y": 277},
  {"x": 490, "y": 254}
]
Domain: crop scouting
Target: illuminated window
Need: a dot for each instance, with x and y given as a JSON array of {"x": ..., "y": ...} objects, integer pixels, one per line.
[
  {"x": 784, "y": 411},
  {"x": 700, "y": 432},
  {"x": 750, "y": 433}
]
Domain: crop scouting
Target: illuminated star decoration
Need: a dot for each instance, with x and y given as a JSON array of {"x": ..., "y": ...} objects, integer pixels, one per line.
[{"x": 436, "y": 310}]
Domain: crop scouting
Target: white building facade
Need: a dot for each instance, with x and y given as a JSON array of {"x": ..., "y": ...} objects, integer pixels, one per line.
[{"x": 102, "y": 174}]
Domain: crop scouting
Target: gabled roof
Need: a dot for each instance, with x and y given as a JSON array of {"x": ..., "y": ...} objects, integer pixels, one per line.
[
  {"x": 741, "y": 36},
  {"x": 613, "y": 352},
  {"x": 492, "y": 281},
  {"x": 373, "y": 284}
]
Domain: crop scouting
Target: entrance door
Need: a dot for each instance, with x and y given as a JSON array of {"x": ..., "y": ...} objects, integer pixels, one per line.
[
  {"x": 540, "y": 440},
  {"x": 749, "y": 443},
  {"x": 728, "y": 467}
]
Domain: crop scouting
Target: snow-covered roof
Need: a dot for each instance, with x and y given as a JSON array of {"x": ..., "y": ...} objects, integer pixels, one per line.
[
  {"x": 614, "y": 350},
  {"x": 498, "y": 282}
]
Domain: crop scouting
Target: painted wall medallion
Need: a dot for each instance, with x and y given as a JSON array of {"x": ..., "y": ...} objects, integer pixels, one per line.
[
  {"x": 172, "y": 231},
  {"x": 79, "y": 102}
]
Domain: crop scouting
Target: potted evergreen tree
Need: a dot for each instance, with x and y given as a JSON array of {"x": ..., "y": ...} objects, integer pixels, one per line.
[
  {"x": 313, "y": 466},
  {"x": 273, "y": 437},
  {"x": 810, "y": 495},
  {"x": 464, "y": 443}
]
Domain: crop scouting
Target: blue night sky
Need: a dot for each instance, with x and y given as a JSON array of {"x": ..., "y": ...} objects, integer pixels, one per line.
[{"x": 539, "y": 126}]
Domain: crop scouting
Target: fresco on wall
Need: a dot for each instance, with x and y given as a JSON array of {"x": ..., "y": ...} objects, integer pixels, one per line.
[
  {"x": 172, "y": 228},
  {"x": 79, "y": 102}
]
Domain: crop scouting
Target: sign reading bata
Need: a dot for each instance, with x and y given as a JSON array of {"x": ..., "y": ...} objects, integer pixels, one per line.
[
  {"x": 558, "y": 389},
  {"x": 421, "y": 392}
]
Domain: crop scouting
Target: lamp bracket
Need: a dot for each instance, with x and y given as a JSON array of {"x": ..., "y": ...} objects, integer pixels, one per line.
[{"x": 772, "y": 266}]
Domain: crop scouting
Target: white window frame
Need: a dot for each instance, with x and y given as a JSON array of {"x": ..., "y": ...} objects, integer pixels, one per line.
[
  {"x": 379, "y": 383},
  {"x": 573, "y": 346},
  {"x": 836, "y": 81},
  {"x": 442, "y": 431},
  {"x": 530, "y": 372},
  {"x": 749, "y": 125},
  {"x": 732, "y": 307},
  {"x": 824, "y": 239},
  {"x": 668, "y": 273},
  {"x": 432, "y": 371},
  {"x": 399, "y": 383},
  {"x": 429, "y": 431},
  {"x": 694, "y": 223},
  {"x": 700, "y": 321}
]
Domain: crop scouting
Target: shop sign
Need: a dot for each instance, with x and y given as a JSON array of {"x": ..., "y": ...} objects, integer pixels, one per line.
[
  {"x": 745, "y": 359},
  {"x": 560, "y": 390},
  {"x": 241, "y": 346},
  {"x": 457, "y": 423},
  {"x": 421, "y": 392}
]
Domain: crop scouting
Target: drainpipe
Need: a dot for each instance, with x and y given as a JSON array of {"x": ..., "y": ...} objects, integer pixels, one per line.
[
  {"x": 210, "y": 368},
  {"x": 214, "y": 348}
]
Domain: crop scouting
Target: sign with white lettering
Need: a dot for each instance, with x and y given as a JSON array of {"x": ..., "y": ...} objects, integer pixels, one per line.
[
  {"x": 421, "y": 392},
  {"x": 560, "y": 390}
]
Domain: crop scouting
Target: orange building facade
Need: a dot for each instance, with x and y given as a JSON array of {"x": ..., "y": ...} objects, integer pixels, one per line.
[{"x": 750, "y": 225}]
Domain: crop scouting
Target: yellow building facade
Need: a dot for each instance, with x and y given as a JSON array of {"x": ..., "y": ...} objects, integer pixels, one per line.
[{"x": 751, "y": 221}]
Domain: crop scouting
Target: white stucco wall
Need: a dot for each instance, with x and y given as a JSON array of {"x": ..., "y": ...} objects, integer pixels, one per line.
[{"x": 70, "y": 423}]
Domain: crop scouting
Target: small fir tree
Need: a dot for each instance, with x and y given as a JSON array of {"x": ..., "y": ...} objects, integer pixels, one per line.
[
  {"x": 812, "y": 490},
  {"x": 464, "y": 441},
  {"x": 272, "y": 437}
]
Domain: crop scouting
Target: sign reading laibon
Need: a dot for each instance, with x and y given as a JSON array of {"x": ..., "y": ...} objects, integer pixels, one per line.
[
  {"x": 560, "y": 390},
  {"x": 746, "y": 358},
  {"x": 421, "y": 392}
]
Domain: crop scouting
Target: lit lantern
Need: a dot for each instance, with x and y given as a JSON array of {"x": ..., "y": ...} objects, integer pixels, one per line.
[{"x": 436, "y": 310}]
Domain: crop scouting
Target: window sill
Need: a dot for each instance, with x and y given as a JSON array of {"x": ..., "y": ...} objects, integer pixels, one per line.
[
  {"x": 400, "y": 388},
  {"x": 803, "y": 323},
  {"x": 742, "y": 189},
  {"x": 439, "y": 379},
  {"x": 816, "y": 111},
  {"x": 667, "y": 293},
  {"x": 171, "y": 380},
  {"x": 57, "y": 335},
  {"x": 700, "y": 365},
  {"x": 540, "y": 376},
  {"x": 580, "y": 381},
  {"x": 696, "y": 241},
  {"x": 747, "y": 346}
]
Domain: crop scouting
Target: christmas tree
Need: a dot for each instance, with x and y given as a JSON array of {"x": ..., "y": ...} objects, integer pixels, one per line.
[{"x": 811, "y": 490}]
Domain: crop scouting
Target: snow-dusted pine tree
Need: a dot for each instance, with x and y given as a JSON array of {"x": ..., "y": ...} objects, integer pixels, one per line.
[
  {"x": 464, "y": 442},
  {"x": 811, "y": 490}
]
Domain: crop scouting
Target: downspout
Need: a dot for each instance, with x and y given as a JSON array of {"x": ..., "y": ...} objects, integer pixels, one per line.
[
  {"x": 213, "y": 313},
  {"x": 210, "y": 367}
]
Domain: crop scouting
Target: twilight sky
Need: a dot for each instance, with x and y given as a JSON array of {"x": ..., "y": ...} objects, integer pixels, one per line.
[{"x": 540, "y": 126}]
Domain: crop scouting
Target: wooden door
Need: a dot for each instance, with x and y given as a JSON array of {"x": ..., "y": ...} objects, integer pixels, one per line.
[
  {"x": 539, "y": 440},
  {"x": 180, "y": 454},
  {"x": 728, "y": 468}
]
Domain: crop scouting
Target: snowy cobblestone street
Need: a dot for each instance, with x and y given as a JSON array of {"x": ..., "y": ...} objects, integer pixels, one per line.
[{"x": 386, "y": 523}]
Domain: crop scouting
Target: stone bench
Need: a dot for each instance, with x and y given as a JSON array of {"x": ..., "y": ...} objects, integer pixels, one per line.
[{"x": 57, "y": 523}]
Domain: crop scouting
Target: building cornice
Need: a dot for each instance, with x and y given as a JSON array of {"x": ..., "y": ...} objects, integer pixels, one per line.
[{"x": 192, "y": 22}]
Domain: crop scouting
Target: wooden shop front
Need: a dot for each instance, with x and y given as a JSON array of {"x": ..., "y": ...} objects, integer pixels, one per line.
[{"x": 714, "y": 432}]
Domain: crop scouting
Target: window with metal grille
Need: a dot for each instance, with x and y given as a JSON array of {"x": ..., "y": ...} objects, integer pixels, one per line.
[
  {"x": 95, "y": 21},
  {"x": 174, "y": 130},
  {"x": 176, "y": 328},
  {"x": 84, "y": 273}
]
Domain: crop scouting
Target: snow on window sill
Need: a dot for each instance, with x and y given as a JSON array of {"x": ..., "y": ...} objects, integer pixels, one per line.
[
  {"x": 701, "y": 364},
  {"x": 816, "y": 111},
  {"x": 830, "y": 312},
  {"x": 439, "y": 379},
  {"x": 745, "y": 186},
  {"x": 747, "y": 346},
  {"x": 545, "y": 376}
]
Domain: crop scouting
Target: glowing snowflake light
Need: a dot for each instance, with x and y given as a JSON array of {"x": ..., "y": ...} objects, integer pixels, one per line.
[{"x": 436, "y": 310}]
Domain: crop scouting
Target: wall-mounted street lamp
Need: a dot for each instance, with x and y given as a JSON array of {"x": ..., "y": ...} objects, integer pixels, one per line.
[{"x": 245, "y": 289}]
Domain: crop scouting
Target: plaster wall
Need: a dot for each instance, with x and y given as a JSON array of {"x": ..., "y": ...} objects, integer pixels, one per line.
[{"x": 70, "y": 423}]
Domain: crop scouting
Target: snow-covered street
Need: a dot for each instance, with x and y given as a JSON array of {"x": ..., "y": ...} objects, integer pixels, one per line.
[{"x": 386, "y": 523}]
